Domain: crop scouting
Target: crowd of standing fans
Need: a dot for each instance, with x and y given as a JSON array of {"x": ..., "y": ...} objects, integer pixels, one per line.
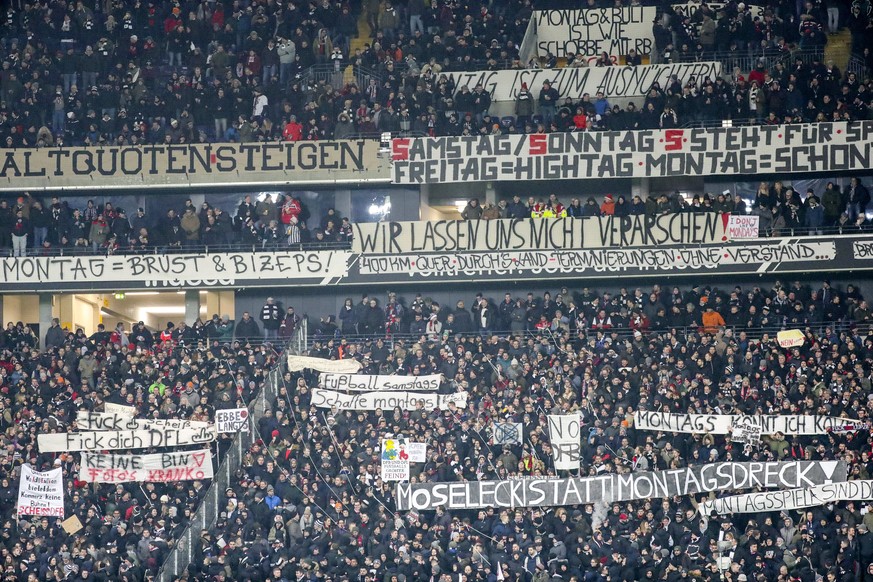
[
  {"x": 33, "y": 226},
  {"x": 781, "y": 210},
  {"x": 181, "y": 371},
  {"x": 308, "y": 502},
  {"x": 165, "y": 72}
]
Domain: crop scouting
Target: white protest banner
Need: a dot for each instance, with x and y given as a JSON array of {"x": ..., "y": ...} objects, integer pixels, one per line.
[
  {"x": 417, "y": 452},
  {"x": 395, "y": 460},
  {"x": 183, "y": 270},
  {"x": 41, "y": 493},
  {"x": 115, "y": 421},
  {"x": 747, "y": 431},
  {"x": 113, "y": 440},
  {"x": 232, "y": 420},
  {"x": 367, "y": 383},
  {"x": 508, "y": 433},
  {"x": 112, "y": 408},
  {"x": 722, "y": 423},
  {"x": 690, "y": 8},
  {"x": 611, "y": 487},
  {"x": 539, "y": 233},
  {"x": 566, "y": 440},
  {"x": 789, "y": 499},
  {"x": 180, "y": 166},
  {"x": 387, "y": 400},
  {"x": 614, "y": 31},
  {"x": 760, "y": 256},
  {"x": 156, "y": 468},
  {"x": 617, "y": 81},
  {"x": 743, "y": 226},
  {"x": 656, "y": 153},
  {"x": 790, "y": 338},
  {"x": 347, "y": 366}
]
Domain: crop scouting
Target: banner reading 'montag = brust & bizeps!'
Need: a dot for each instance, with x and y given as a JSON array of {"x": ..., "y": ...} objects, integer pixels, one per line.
[
  {"x": 628, "y": 487},
  {"x": 659, "y": 153}
]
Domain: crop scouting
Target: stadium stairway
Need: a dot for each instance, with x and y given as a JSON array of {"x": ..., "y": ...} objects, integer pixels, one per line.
[
  {"x": 839, "y": 48},
  {"x": 358, "y": 42}
]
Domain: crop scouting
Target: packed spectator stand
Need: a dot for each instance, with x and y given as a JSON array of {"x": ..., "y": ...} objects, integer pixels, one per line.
[
  {"x": 309, "y": 503},
  {"x": 167, "y": 73},
  {"x": 37, "y": 226},
  {"x": 181, "y": 371}
]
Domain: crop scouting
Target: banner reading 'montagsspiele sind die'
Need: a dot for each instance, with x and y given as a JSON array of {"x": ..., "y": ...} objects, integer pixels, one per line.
[
  {"x": 788, "y": 499},
  {"x": 611, "y": 488}
]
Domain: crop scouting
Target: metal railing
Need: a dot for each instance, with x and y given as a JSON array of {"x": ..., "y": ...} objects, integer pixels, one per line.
[
  {"x": 336, "y": 246},
  {"x": 858, "y": 65},
  {"x": 586, "y": 334},
  {"x": 335, "y": 74},
  {"x": 188, "y": 249},
  {"x": 185, "y": 548}
]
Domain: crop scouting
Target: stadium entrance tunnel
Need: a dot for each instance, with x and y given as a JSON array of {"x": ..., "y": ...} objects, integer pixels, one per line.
[{"x": 87, "y": 311}]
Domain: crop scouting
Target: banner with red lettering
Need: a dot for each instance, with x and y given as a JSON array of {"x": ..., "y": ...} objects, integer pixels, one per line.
[
  {"x": 655, "y": 153},
  {"x": 41, "y": 493},
  {"x": 157, "y": 468},
  {"x": 743, "y": 226}
]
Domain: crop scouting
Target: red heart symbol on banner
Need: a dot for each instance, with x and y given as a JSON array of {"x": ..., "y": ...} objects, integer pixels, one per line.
[
  {"x": 244, "y": 414},
  {"x": 198, "y": 458}
]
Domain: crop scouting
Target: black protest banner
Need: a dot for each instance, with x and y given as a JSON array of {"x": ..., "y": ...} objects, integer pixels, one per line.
[
  {"x": 819, "y": 147},
  {"x": 539, "y": 233},
  {"x": 189, "y": 164},
  {"x": 162, "y": 270},
  {"x": 758, "y": 256},
  {"x": 614, "y": 31},
  {"x": 618, "y": 81},
  {"x": 612, "y": 488}
]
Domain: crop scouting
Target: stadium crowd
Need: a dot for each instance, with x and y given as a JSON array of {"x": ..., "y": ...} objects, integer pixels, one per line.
[
  {"x": 182, "y": 371},
  {"x": 308, "y": 502},
  {"x": 781, "y": 209},
  {"x": 33, "y": 226},
  {"x": 167, "y": 73}
]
